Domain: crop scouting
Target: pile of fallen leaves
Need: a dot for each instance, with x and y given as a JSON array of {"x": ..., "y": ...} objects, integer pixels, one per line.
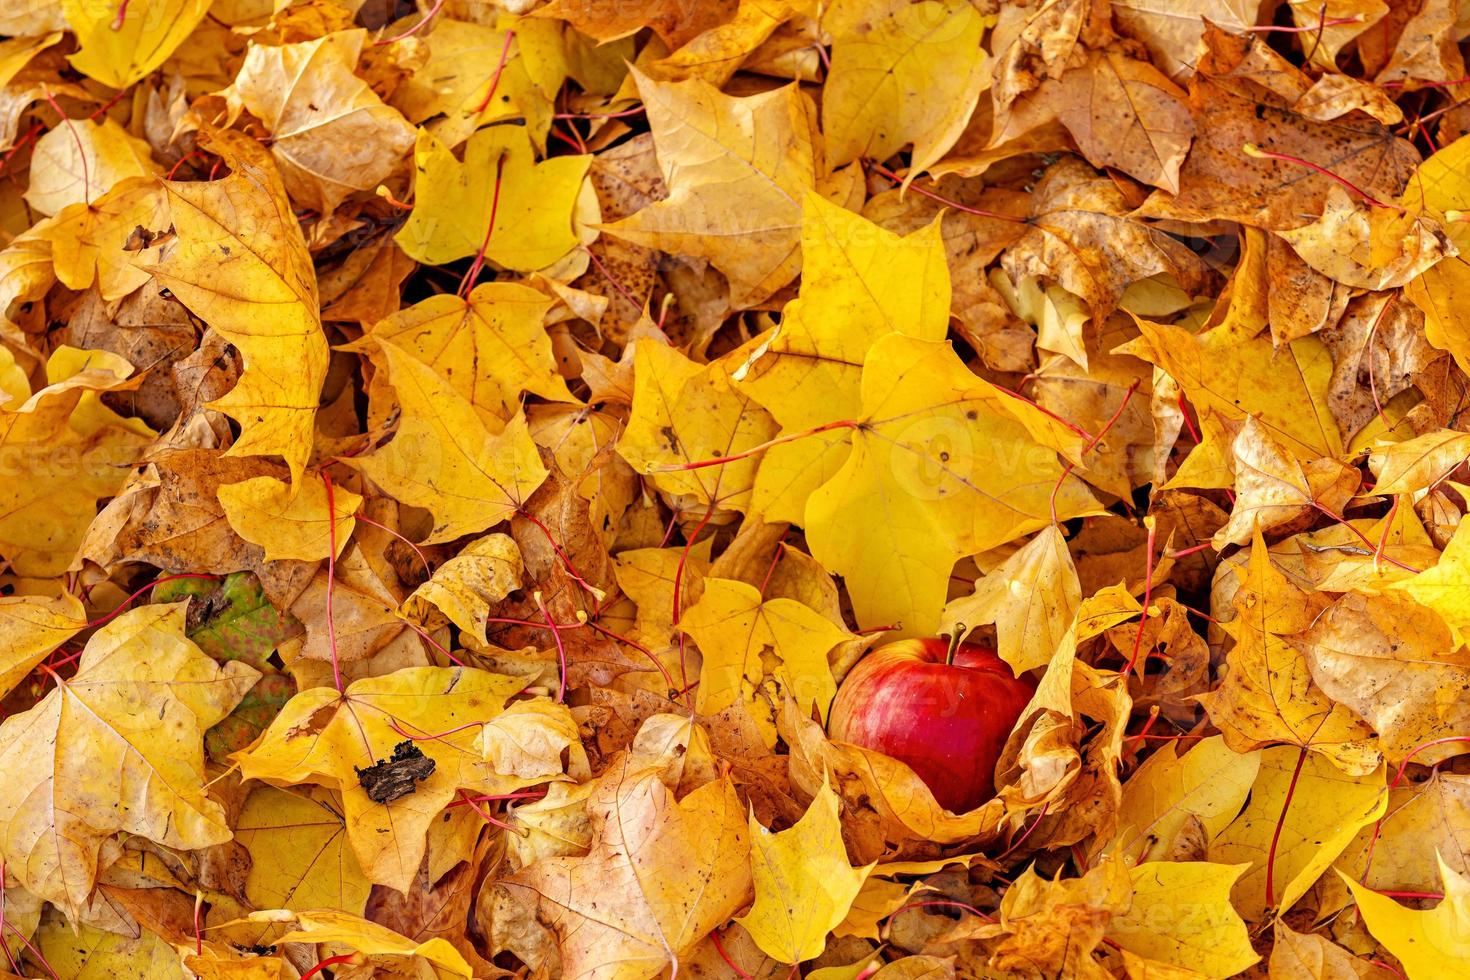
[{"x": 450, "y": 458}]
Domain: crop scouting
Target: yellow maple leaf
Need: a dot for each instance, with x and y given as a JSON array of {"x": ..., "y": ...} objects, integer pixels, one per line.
[
  {"x": 804, "y": 884},
  {"x": 901, "y": 73},
  {"x": 66, "y": 450},
  {"x": 1445, "y": 588},
  {"x": 454, "y": 202},
  {"x": 943, "y": 465},
  {"x": 88, "y": 238},
  {"x": 1285, "y": 389},
  {"x": 121, "y": 46},
  {"x": 1032, "y": 598},
  {"x": 443, "y": 458},
  {"x": 1169, "y": 791},
  {"x": 453, "y": 93},
  {"x": 659, "y": 875},
  {"x": 736, "y": 169},
  {"x": 1181, "y": 915},
  {"x": 30, "y": 628},
  {"x": 308, "y": 98},
  {"x": 498, "y": 330},
  {"x": 116, "y": 748},
  {"x": 463, "y": 589},
  {"x": 860, "y": 283},
  {"x": 327, "y": 737},
  {"x": 290, "y": 522},
  {"x": 745, "y": 637},
  {"x": 1328, "y": 807},
  {"x": 79, "y": 161},
  {"x": 1268, "y": 694},
  {"x": 299, "y": 857},
  {"x": 1440, "y": 185},
  {"x": 1429, "y": 943},
  {"x": 238, "y": 250},
  {"x": 684, "y": 413}
]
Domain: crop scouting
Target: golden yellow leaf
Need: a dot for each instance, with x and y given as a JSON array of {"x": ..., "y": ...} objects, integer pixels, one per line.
[
  {"x": 299, "y": 857},
  {"x": 239, "y": 250},
  {"x": 88, "y": 239},
  {"x": 1032, "y": 598},
  {"x": 290, "y": 522},
  {"x": 1168, "y": 792},
  {"x": 660, "y": 874},
  {"x": 943, "y": 465},
  {"x": 1392, "y": 662},
  {"x": 1445, "y": 588},
  {"x": 452, "y": 91},
  {"x": 33, "y": 626},
  {"x": 1369, "y": 247},
  {"x": 860, "y": 283},
  {"x": 902, "y": 73},
  {"x": 685, "y": 412},
  {"x": 1272, "y": 487},
  {"x": 736, "y": 169},
  {"x": 443, "y": 458},
  {"x": 80, "y": 160},
  {"x": 1429, "y": 943},
  {"x": 746, "y": 638},
  {"x": 716, "y": 54},
  {"x": 804, "y": 884},
  {"x": 67, "y": 450},
  {"x": 116, "y": 748},
  {"x": 1054, "y": 926},
  {"x": 1284, "y": 389},
  {"x": 1418, "y": 463},
  {"x": 1268, "y": 694},
  {"x": 1197, "y": 929},
  {"x": 120, "y": 46},
  {"x": 326, "y": 737},
  {"x": 1327, "y": 809},
  {"x": 454, "y": 201},
  {"x": 489, "y": 347},
  {"x": 463, "y": 589},
  {"x": 1440, "y": 185},
  {"x": 89, "y": 953},
  {"x": 332, "y": 135},
  {"x": 435, "y": 958}
]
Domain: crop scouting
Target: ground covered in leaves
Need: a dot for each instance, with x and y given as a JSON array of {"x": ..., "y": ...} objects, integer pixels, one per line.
[{"x": 450, "y": 458}]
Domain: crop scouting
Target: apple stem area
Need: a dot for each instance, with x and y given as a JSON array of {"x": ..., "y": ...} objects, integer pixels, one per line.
[{"x": 954, "y": 644}]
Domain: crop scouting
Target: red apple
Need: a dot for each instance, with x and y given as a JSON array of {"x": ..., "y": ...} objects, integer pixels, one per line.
[{"x": 946, "y": 718}]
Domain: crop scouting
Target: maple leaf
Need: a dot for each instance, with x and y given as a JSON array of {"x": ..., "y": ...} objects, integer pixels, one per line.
[
  {"x": 243, "y": 222},
  {"x": 658, "y": 875},
  {"x": 736, "y": 170},
  {"x": 1269, "y": 695},
  {"x": 901, "y": 73},
  {"x": 331, "y": 738},
  {"x": 457, "y": 210},
  {"x": 496, "y": 330},
  {"x": 443, "y": 458},
  {"x": 860, "y": 283},
  {"x": 307, "y": 97},
  {"x": 118, "y": 51},
  {"x": 1288, "y": 854},
  {"x": 116, "y": 748},
  {"x": 1425, "y": 942},
  {"x": 804, "y": 885},
  {"x": 953, "y": 466},
  {"x": 745, "y": 637}
]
